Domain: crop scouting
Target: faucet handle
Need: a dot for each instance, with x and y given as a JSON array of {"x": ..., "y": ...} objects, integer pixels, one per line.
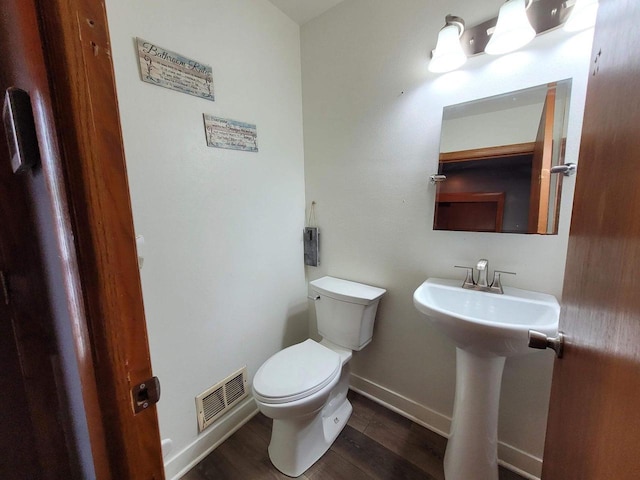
[
  {"x": 497, "y": 284},
  {"x": 502, "y": 271},
  {"x": 468, "y": 281}
]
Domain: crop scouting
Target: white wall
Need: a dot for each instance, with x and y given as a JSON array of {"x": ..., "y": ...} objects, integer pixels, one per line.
[
  {"x": 223, "y": 277},
  {"x": 372, "y": 116},
  {"x": 504, "y": 127}
]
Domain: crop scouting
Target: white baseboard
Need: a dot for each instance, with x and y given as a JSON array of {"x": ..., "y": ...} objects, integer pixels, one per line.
[
  {"x": 523, "y": 463},
  {"x": 519, "y": 461},
  {"x": 182, "y": 462},
  {"x": 402, "y": 405}
]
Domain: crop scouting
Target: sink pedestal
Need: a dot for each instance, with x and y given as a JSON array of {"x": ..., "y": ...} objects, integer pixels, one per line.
[
  {"x": 472, "y": 450},
  {"x": 487, "y": 328}
]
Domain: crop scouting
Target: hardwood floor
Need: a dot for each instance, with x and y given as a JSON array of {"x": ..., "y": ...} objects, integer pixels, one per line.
[{"x": 376, "y": 444}]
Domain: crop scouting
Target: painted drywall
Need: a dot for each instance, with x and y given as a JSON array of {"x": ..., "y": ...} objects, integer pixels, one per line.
[
  {"x": 223, "y": 277},
  {"x": 301, "y": 11},
  {"x": 506, "y": 127},
  {"x": 372, "y": 117}
]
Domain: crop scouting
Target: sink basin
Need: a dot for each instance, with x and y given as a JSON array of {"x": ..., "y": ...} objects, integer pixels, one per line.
[
  {"x": 486, "y": 323},
  {"x": 486, "y": 328}
]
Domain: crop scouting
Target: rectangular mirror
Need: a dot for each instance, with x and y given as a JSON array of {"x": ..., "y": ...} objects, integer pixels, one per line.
[{"x": 496, "y": 154}]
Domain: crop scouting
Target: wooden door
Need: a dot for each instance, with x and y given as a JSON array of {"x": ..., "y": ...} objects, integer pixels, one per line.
[
  {"x": 67, "y": 255},
  {"x": 593, "y": 428},
  {"x": 541, "y": 167},
  {"x": 37, "y": 403}
]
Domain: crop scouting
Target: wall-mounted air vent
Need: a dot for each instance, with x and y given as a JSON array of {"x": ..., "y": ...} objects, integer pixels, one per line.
[{"x": 216, "y": 400}]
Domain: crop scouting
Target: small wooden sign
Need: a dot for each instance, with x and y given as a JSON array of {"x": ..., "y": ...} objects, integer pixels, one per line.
[
  {"x": 171, "y": 70},
  {"x": 230, "y": 134}
]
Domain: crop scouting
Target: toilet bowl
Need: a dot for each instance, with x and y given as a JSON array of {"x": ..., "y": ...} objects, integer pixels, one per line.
[{"x": 303, "y": 388}]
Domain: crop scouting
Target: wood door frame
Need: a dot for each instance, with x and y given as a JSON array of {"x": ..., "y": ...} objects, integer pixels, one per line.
[
  {"x": 541, "y": 166},
  {"x": 488, "y": 153},
  {"x": 81, "y": 74},
  {"x": 87, "y": 181}
]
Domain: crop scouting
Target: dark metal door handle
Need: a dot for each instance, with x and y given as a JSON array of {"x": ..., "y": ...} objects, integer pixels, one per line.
[
  {"x": 542, "y": 342},
  {"x": 20, "y": 129}
]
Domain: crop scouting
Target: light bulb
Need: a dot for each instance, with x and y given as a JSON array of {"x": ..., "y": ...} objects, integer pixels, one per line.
[
  {"x": 513, "y": 29},
  {"x": 448, "y": 54}
]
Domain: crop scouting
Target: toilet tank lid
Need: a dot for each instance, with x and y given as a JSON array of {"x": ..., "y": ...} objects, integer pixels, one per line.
[{"x": 347, "y": 290}]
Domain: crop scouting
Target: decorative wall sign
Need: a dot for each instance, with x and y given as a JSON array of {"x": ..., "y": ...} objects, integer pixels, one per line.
[
  {"x": 231, "y": 134},
  {"x": 171, "y": 70}
]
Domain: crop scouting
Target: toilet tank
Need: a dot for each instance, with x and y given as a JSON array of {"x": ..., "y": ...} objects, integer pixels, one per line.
[{"x": 346, "y": 311}]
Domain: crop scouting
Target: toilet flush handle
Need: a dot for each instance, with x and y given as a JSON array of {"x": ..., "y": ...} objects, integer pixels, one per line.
[{"x": 317, "y": 297}]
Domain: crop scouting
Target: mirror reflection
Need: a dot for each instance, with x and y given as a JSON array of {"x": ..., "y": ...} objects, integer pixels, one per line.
[{"x": 496, "y": 154}]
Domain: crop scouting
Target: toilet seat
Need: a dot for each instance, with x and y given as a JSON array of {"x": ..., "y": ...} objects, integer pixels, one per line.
[{"x": 296, "y": 372}]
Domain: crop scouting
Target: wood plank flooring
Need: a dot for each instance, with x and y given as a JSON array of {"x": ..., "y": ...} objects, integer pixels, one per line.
[{"x": 376, "y": 444}]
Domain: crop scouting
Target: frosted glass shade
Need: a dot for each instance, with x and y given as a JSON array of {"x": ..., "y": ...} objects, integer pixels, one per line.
[
  {"x": 448, "y": 54},
  {"x": 582, "y": 16},
  {"x": 513, "y": 29}
]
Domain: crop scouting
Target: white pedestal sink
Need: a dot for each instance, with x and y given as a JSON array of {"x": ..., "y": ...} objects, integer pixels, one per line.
[{"x": 486, "y": 328}]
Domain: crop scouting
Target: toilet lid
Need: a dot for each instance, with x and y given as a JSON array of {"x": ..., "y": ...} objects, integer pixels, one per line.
[{"x": 296, "y": 372}]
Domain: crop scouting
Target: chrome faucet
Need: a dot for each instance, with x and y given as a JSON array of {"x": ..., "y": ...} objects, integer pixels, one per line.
[
  {"x": 483, "y": 269},
  {"x": 482, "y": 284}
]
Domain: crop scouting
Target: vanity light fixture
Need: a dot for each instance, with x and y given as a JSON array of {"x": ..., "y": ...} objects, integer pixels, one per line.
[
  {"x": 582, "y": 16},
  {"x": 448, "y": 54},
  {"x": 513, "y": 29},
  {"x": 517, "y": 23}
]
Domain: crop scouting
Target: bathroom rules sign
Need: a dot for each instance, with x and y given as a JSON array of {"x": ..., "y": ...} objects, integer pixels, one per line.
[
  {"x": 230, "y": 134},
  {"x": 171, "y": 70}
]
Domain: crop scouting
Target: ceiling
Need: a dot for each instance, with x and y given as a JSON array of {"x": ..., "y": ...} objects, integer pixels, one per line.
[{"x": 301, "y": 11}]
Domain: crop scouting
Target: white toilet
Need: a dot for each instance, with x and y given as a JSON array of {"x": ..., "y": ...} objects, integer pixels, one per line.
[{"x": 303, "y": 388}]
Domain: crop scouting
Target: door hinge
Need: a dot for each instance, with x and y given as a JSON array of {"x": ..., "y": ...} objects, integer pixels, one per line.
[
  {"x": 145, "y": 394},
  {"x": 5, "y": 288}
]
